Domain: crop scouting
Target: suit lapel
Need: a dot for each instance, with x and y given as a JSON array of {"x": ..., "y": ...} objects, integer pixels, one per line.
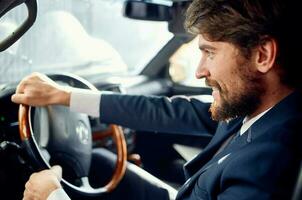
[
  {"x": 219, "y": 158},
  {"x": 192, "y": 168},
  {"x": 224, "y": 131}
]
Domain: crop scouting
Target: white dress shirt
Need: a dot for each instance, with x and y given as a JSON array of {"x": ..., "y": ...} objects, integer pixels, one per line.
[
  {"x": 88, "y": 102},
  {"x": 85, "y": 101},
  {"x": 247, "y": 123},
  {"x": 58, "y": 194}
]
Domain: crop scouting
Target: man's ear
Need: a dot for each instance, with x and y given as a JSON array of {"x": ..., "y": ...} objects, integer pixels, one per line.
[{"x": 266, "y": 53}]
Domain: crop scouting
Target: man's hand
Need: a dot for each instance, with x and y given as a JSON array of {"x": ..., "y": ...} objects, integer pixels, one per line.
[
  {"x": 39, "y": 90},
  {"x": 40, "y": 185}
]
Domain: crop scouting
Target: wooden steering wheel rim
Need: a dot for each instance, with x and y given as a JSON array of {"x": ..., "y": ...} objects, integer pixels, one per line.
[{"x": 117, "y": 135}]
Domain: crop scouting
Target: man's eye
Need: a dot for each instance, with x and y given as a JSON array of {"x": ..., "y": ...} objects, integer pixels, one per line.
[{"x": 209, "y": 54}]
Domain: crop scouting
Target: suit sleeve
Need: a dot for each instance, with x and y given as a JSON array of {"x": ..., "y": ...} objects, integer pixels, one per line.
[{"x": 159, "y": 114}]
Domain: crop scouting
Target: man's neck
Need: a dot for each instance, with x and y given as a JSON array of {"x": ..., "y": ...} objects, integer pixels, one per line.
[{"x": 270, "y": 99}]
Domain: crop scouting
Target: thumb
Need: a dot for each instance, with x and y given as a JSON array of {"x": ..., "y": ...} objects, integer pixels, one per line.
[
  {"x": 57, "y": 170},
  {"x": 16, "y": 98}
]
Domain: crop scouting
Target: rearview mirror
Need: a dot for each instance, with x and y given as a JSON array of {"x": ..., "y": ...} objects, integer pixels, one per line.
[
  {"x": 148, "y": 10},
  {"x": 12, "y": 35},
  {"x": 170, "y": 11}
]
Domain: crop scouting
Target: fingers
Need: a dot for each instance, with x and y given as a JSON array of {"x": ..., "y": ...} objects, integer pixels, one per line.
[
  {"x": 19, "y": 98},
  {"x": 41, "y": 184},
  {"x": 57, "y": 170},
  {"x": 30, "y": 79},
  {"x": 20, "y": 88},
  {"x": 39, "y": 90},
  {"x": 35, "y": 90},
  {"x": 29, "y": 193}
]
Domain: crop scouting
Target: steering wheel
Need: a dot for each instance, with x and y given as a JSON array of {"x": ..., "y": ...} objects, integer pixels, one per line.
[{"x": 54, "y": 134}]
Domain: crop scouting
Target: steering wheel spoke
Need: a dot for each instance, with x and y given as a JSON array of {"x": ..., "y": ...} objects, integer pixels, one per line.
[
  {"x": 45, "y": 154},
  {"x": 85, "y": 184}
]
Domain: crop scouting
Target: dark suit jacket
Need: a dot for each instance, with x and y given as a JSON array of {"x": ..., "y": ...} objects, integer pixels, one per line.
[{"x": 261, "y": 164}]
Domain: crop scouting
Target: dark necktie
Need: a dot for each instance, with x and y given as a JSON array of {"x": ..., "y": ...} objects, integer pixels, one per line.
[{"x": 228, "y": 142}]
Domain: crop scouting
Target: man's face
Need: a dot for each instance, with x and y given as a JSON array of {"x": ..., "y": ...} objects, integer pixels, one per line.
[{"x": 237, "y": 87}]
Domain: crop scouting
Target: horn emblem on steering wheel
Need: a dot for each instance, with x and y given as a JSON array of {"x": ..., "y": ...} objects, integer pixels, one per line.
[{"x": 82, "y": 132}]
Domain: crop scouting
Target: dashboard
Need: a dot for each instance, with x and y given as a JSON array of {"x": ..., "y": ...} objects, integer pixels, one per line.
[{"x": 8, "y": 115}]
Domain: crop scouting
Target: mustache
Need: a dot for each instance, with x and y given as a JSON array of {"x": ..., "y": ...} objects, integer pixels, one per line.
[{"x": 212, "y": 83}]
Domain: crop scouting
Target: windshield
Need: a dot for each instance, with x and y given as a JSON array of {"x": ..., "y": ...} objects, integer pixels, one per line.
[{"x": 90, "y": 38}]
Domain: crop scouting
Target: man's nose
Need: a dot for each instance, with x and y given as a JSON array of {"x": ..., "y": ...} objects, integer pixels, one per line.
[{"x": 201, "y": 71}]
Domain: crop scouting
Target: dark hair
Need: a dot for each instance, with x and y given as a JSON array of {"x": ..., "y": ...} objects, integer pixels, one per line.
[{"x": 246, "y": 24}]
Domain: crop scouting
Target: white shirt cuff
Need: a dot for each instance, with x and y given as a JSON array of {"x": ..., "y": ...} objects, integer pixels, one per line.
[
  {"x": 85, "y": 101},
  {"x": 58, "y": 194}
]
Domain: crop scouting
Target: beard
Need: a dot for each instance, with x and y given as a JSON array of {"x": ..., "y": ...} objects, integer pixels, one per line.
[{"x": 239, "y": 102}]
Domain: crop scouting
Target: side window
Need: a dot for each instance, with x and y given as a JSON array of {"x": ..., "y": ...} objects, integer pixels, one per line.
[
  {"x": 90, "y": 38},
  {"x": 183, "y": 64}
]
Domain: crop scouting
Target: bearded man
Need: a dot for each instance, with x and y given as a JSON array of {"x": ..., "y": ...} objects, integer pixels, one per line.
[{"x": 250, "y": 61}]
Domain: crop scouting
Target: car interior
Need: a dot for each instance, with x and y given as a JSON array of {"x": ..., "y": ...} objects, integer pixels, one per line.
[{"x": 124, "y": 46}]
